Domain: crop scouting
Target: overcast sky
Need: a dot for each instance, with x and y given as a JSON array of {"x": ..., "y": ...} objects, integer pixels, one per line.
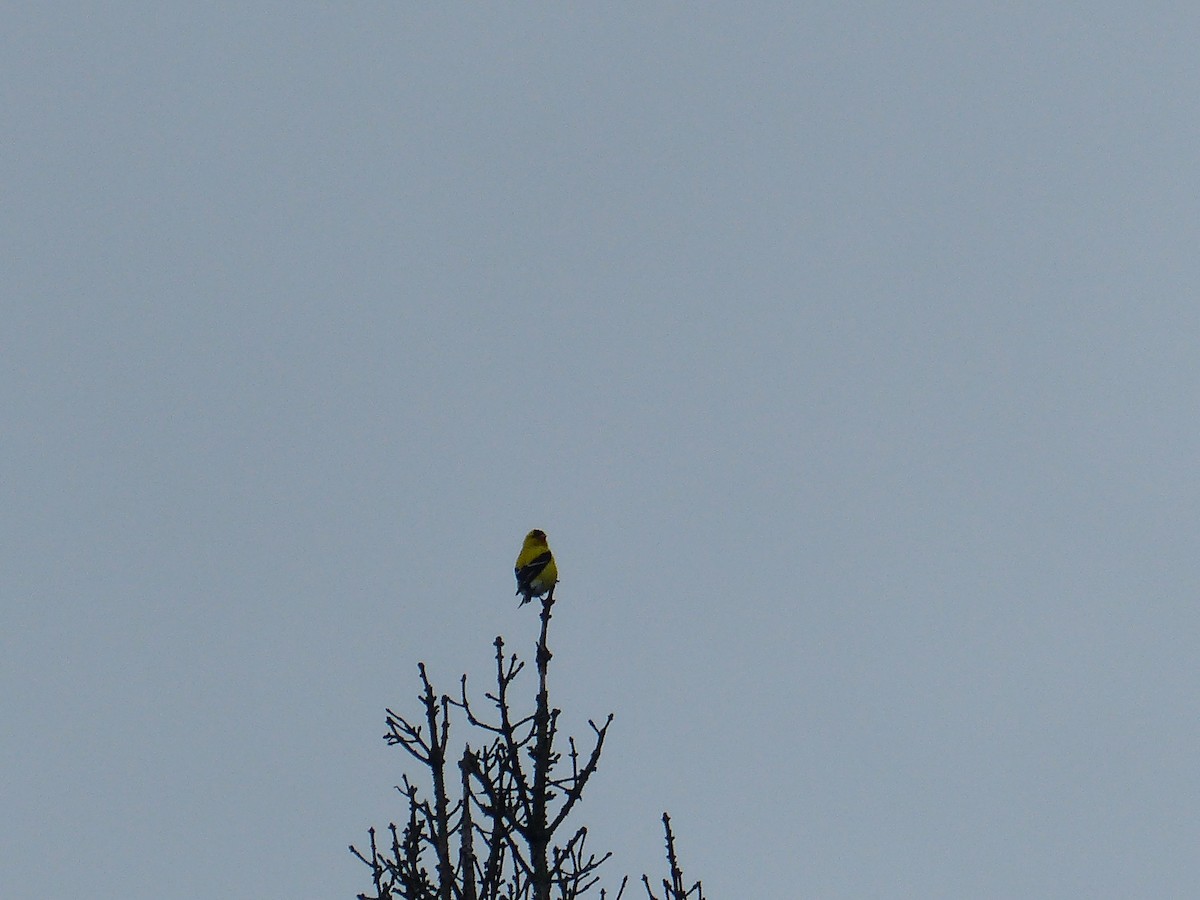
[{"x": 846, "y": 352}]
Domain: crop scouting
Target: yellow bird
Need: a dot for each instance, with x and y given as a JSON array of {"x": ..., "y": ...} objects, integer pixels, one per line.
[{"x": 535, "y": 569}]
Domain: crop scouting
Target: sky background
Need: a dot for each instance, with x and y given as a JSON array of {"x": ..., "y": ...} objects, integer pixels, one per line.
[{"x": 846, "y": 352}]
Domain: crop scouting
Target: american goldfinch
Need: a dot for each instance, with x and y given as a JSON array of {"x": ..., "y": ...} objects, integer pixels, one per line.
[{"x": 535, "y": 569}]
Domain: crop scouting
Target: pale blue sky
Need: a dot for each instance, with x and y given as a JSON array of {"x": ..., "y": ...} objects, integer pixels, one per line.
[{"x": 847, "y": 353}]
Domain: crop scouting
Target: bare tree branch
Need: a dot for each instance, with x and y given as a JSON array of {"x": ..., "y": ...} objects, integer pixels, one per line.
[{"x": 514, "y": 792}]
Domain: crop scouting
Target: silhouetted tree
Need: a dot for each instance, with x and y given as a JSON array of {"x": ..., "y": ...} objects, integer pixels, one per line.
[
  {"x": 673, "y": 888},
  {"x": 495, "y": 832}
]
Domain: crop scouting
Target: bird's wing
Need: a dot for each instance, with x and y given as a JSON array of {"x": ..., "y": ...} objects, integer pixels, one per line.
[{"x": 531, "y": 570}]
